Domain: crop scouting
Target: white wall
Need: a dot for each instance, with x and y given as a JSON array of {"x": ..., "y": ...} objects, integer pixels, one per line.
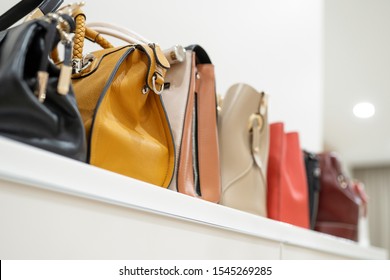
[
  {"x": 357, "y": 60},
  {"x": 275, "y": 46}
]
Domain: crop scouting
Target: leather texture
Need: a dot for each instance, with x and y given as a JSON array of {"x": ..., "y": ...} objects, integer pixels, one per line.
[
  {"x": 287, "y": 190},
  {"x": 207, "y": 134},
  {"x": 244, "y": 146},
  {"x": 187, "y": 179},
  {"x": 78, "y": 40},
  {"x": 128, "y": 131},
  {"x": 95, "y": 37},
  {"x": 191, "y": 107},
  {"x": 125, "y": 120},
  {"x": 313, "y": 173},
  {"x": 338, "y": 207},
  {"x": 54, "y": 125}
]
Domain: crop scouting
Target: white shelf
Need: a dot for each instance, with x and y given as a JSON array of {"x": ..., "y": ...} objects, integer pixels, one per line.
[{"x": 52, "y": 207}]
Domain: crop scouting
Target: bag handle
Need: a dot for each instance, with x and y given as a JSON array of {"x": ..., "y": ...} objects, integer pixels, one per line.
[
  {"x": 201, "y": 55},
  {"x": 157, "y": 62},
  {"x": 21, "y": 9},
  {"x": 93, "y": 32},
  {"x": 119, "y": 32},
  {"x": 174, "y": 54},
  {"x": 82, "y": 32}
]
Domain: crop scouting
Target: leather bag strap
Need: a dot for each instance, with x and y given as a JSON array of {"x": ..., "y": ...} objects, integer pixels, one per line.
[
  {"x": 22, "y": 8},
  {"x": 119, "y": 32},
  {"x": 82, "y": 32},
  {"x": 201, "y": 55},
  {"x": 79, "y": 36}
]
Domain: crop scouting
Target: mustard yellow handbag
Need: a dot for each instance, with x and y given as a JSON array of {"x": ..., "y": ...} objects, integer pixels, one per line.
[{"x": 118, "y": 94}]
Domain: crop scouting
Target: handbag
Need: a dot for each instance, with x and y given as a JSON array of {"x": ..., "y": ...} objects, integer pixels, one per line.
[
  {"x": 118, "y": 91},
  {"x": 23, "y": 8},
  {"x": 190, "y": 100},
  {"x": 287, "y": 190},
  {"x": 198, "y": 166},
  {"x": 338, "y": 207},
  {"x": 244, "y": 146},
  {"x": 313, "y": 172},
  {"x": 37, "y": 102}
]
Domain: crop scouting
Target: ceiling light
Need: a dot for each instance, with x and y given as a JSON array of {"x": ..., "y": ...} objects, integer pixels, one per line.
[{"x": 364, "y": 110}]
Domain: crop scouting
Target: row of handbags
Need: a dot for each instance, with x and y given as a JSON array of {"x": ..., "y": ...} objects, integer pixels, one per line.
[
  {"x": 265, "y": 172},
  {"x": 118, "y": 108},
  {"x": 151, "y": 115},
  {"x": 262, "y": 167},
  {"x": 187, "y": 97}
]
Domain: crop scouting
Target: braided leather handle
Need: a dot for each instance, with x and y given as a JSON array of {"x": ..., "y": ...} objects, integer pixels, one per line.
[
  {"x": 83, "y": 32},
  {"x": 78, "y": 40},
  {"x": 96, "y": 37}
]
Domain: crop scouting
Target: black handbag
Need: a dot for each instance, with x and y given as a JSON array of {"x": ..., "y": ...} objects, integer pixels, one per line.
[
  {"x": 22, "y": 8},
  {"x": 313, "y": 173},
  {"x": 37, "y": 106}
]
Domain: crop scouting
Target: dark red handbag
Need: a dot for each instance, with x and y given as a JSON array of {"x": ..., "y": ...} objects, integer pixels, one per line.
[
  {"x": 338, "y": 206},
  {"x": 287, "y": 190}
]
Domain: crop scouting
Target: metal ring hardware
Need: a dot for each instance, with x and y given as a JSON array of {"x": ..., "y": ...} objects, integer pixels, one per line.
[
  {"x": 154, "y": 85},
  {"x": 145, "y": 89}
]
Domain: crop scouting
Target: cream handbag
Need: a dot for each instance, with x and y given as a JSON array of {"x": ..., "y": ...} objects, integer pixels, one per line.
[{"x": 244, "y": 144}]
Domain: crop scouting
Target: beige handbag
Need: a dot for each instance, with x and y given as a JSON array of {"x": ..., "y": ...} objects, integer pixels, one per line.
[{"x": 244, "y": 144}]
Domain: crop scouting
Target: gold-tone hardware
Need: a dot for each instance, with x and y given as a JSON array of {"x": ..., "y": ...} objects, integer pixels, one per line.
[
  {"x": 37, "y": 13},
  {"x": 63, "y": 26},
  {"x": 255, "y": 118},
  {"x": 342, "y": 181},
  {"x": 40, "y": 91}
]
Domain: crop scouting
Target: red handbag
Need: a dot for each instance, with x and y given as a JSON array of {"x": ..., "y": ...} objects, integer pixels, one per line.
[
  {"x": 287, "y": 190},
  {"x": 338, "y": 206}
]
